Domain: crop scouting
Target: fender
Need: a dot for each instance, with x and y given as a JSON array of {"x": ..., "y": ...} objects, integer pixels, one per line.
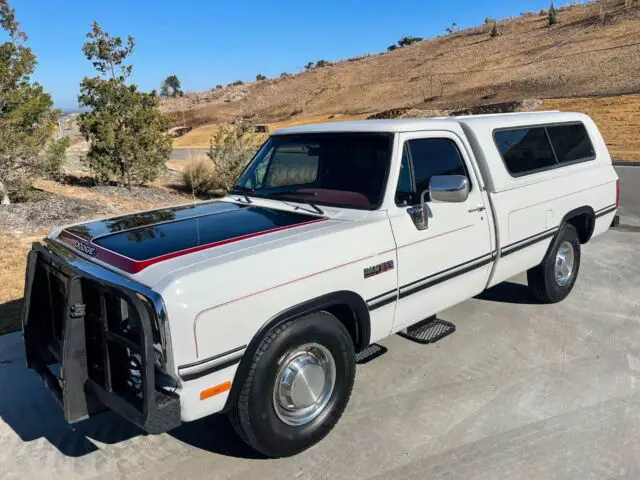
[{"x": 343, "y": 297}]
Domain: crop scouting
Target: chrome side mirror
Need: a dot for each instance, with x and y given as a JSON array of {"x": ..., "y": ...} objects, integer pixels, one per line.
[
  {"x": 449, "y": 188},
  {"x": 442, "y": 188}
]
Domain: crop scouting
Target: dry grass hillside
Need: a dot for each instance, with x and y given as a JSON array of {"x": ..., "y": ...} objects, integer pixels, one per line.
[
  {"x": 618, "y": 117},
  {"x": 588, "y": 53}
]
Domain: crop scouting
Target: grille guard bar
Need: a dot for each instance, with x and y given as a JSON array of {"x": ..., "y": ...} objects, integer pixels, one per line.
[{"x": 78, "y": 394}]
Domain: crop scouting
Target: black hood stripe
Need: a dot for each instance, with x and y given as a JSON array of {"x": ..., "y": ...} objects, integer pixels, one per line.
[{"x": 134, "y": 249}]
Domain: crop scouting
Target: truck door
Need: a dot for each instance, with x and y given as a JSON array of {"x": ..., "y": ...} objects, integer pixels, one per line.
[{"x": 449, "y": 260}]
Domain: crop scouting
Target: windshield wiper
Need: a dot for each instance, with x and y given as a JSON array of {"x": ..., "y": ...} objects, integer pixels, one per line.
[
  {"x": 298, "y": 207},
  {"x": 238, "y": 190},
  {"x": 295, "y": 192},
  {"x": 298, "y": 192}
]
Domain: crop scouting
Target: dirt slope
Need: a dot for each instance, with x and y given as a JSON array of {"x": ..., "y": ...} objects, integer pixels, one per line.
[{"x": 585, "y": 54}]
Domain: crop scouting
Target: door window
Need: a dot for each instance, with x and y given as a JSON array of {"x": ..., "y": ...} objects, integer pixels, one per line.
[{"x": 422, "y": 158}]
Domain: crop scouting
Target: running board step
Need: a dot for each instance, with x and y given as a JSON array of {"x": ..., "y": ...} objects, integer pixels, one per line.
[
  {"x": 428, "y": 331},
  {"x": 371, "y": 352}
]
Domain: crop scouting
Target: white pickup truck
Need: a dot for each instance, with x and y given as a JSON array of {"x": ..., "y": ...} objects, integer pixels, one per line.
[{"x": 336, "y": 236}]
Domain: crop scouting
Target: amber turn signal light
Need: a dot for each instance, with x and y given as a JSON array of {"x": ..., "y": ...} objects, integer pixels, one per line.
[{"x": 213, "y": 391}]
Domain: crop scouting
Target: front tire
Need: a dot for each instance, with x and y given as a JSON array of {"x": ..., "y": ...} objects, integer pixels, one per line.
[
  {"x": 554, "y": 278},
  {"x": 298, "y": 385}
]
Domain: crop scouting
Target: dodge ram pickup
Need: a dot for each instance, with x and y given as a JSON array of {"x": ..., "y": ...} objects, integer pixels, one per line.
[{"x": 335, "y": 236}]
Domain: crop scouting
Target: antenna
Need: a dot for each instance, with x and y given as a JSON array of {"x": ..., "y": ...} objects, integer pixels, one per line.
[{"x": 193, "y": 192}]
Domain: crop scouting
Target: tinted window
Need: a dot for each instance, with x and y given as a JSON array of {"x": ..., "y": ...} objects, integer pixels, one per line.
[
  {"x": 404, "y": 192},
  {"x": 525, "y": 149},
  {"x": 434, "y": 156},
  {"x": 346, "y": 170},
  {"x": 570, "y": 142},
  {"x": 292, "y": 165}
]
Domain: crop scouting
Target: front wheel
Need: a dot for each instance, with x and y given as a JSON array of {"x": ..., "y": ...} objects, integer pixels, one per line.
[
  {"x": 554, "y": 278},
  {"x": 298, "y": 385}
]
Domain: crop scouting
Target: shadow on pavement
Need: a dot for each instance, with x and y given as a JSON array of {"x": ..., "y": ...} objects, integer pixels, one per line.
[
  {"x": 30, "y": 410},
  {"x": 216, "y": 435},
  {"x": 509, "y": 292},
  {"x": 10, "y": 316}
]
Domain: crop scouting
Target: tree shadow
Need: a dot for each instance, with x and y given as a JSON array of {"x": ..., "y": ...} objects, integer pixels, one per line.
[{"x": 509, "y": 292}]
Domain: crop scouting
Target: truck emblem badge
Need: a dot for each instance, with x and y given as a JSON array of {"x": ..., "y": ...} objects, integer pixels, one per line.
[
  {"x": 84, "y": 248},
  {"x": 377, "y": 269}
]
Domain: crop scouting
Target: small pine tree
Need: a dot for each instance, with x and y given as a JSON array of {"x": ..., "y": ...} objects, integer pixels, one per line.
[
  {"x": 552, "y": 15},
  {"x": 260, "y": 77},
  {"x": 495, "y": 32}
]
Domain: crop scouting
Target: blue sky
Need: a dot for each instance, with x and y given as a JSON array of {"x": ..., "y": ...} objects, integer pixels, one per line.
[{"x": 208, "y": 42}]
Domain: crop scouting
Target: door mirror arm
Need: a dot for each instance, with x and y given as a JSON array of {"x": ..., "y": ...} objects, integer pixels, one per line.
[{"x": 420, "y": 213}]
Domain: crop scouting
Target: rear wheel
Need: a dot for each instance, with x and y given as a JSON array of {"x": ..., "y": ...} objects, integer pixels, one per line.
[
  {"x": 554, "y": 278},
  {"x": 298, "y": 386}
]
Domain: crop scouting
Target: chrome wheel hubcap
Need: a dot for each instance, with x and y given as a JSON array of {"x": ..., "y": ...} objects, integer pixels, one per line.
[
  {"x": 304, "y": 384},
  {"x": 564, "y": 264}
]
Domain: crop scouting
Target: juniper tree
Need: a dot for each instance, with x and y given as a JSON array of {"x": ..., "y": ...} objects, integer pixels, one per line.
[
  {"x": 126, "y": 132},
  {"x": 27, "y": 117}
]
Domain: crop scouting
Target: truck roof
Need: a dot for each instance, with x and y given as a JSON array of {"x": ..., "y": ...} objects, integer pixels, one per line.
[
  {"x": 474, "y": 130},
  {"x": 489, "y": 121}
]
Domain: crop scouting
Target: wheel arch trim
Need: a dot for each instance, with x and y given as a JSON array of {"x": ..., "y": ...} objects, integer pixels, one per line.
[
  {"x": 576, "y": 212},
  {"x": 343, "y": 297}
]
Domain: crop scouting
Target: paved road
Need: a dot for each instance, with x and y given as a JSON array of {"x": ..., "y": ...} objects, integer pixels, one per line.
[
  {"x": 187, "y": 153},
  {"x": 519, "y": 391},
  {"x": 629, "y": 192}
]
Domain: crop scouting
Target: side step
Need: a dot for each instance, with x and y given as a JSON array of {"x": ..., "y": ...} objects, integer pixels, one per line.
[
  {"x": 371, "y": 352},
  {"x": 428, "y": 331}
]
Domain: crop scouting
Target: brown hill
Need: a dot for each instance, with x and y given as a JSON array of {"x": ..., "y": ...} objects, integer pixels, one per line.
[{"x": 594, "y": 50}]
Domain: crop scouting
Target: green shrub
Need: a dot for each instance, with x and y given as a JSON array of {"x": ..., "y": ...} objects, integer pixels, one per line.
[
  {"x": 260, "y": 77},
  {"x": 53, "y": 158},
  {"x": 495, "y": 32},
  {"x": 199, "y": 176},
  {"x": 230, "y": 150},
  {"x": 406, "y": 41}
]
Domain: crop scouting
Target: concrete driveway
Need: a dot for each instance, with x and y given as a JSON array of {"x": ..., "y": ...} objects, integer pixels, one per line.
[{"x": 519, "y": 391}]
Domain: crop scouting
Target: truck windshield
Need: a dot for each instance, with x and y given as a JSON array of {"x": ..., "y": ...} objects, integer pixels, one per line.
[{"x": 336, "y": 169}]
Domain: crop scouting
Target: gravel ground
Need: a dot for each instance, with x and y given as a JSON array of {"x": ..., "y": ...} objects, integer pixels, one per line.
[
  {"x": 50, "y": 212},
  {"x": 55, "y": 210},
  {"x": 149, "y": 194}
]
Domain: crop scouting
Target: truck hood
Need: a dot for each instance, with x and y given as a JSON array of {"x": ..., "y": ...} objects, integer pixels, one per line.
[{"x": 135, "y": 242}]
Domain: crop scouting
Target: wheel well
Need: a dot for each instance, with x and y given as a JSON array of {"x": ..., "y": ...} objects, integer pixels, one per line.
[
  {"x": 348, "y": 307},
  {"x": 348, "y": 318},
  {"x": 583, "y": 220}
]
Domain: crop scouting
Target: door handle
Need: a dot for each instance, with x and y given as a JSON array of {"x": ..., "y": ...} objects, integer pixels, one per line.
[{"x": 479, "y": 208}]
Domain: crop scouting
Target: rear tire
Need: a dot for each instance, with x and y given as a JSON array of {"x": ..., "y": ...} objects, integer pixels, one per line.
[
  {"x": 298, "y": 385},
  {"x": 554, "y": 278}
]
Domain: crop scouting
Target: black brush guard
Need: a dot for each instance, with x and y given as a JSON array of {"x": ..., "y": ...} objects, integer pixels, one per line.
[{"x": 73, "y": 341}]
